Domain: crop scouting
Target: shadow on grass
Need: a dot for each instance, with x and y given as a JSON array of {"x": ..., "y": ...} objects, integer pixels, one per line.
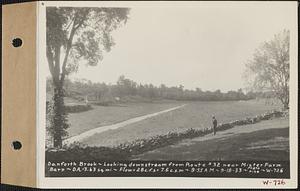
[{"x": 269, "y": 144}]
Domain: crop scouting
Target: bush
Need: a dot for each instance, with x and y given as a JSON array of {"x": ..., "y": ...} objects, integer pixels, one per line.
[
  {"x": 103, "y": 103},
  {"x": 125, "y": 150},
  {"x": 77, "y": 108},
  {"x": 142, "y": 145}
]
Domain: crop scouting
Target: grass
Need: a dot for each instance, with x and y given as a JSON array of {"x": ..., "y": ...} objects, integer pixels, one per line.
[
  {"x": 268, "y": 140},
  {"x": 196, "y": 115},
  {"x": 107, "y": 115},
  {"x": 255, "y": 141}
]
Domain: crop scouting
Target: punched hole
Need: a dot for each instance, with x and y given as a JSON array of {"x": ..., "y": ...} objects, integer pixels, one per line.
[
  {"x": 17, "y": 145},
  {"x": 17, "y": 42}
]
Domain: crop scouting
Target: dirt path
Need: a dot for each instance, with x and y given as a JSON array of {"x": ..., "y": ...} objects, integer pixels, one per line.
[
  {"x": 237, "y": 143},
  {"x": 101, "y": 129}
]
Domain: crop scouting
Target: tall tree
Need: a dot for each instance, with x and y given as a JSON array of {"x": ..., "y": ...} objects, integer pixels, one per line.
[
  {"x": 269, "y": 68},
  {"x": 76, "y": 35}
]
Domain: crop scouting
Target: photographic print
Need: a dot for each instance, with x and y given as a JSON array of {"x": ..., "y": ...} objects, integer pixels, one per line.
[{"x": 167, "y": 90}]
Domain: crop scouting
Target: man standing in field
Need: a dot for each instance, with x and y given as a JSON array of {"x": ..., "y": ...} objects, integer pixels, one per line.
[{"x": 215, "y": 123}]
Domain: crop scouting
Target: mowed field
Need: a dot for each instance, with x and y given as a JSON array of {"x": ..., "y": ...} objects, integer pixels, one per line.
[
  {"x": 195, "y": 115},
  {"x": 107, "y": 115},
  {"x": 266, "y": 140}
]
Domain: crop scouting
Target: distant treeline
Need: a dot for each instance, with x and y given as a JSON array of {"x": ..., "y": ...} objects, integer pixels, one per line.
[{"x": 80, "y": 89}]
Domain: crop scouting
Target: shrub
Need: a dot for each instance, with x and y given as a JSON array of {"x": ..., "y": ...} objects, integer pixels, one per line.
[
  {"x": 77, "y": 108},
  {"x": 125, "y": 150},
  {"x": 104, "y": 103}
]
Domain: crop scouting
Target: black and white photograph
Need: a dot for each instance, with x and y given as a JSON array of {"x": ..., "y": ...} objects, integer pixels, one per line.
[{"x": 175, "y": 90}]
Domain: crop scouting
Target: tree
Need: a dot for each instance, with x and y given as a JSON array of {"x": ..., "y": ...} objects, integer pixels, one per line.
[
  {"x": 269, "y": 68},
  {"x": 76, "y": 35}
]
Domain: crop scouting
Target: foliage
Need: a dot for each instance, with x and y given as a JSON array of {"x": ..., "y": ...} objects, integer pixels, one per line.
[
  {"x": 126, "y": 150},
  {"x": 80, "y": 34},
  {"x": 105, "y": 93},
  {"x": 76, "y": 35},
  {"x": 57, "y": 119},
  {"x": 269, "y": 68},
  {"x": 77, "y": 108}
]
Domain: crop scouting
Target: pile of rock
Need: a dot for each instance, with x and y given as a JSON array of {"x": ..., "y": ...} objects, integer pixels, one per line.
[
  {"x": 139, "y": 146},
  {"x": 142, "y": 145},
  {"x": 256, "y": 119}
]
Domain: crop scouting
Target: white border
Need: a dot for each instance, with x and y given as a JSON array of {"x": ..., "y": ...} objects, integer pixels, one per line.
[{"x": 159, "y": 182}]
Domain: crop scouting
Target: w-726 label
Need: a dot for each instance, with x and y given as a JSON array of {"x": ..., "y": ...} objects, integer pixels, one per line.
[{"x": 274, "y": 182}]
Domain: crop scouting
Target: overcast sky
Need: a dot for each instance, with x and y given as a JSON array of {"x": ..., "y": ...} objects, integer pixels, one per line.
[{"x": 200, "y": 46}]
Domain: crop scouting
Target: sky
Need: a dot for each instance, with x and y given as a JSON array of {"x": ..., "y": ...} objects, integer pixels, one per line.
[{"x": 203, "y": 46}]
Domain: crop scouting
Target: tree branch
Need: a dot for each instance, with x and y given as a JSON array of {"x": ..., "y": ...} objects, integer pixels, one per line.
[
  {"x": 50, "y": 60},
  {"x": 57, "y": 64},
  {"x": 68, "y": 48},
  {"x": 72, "y": 20}
]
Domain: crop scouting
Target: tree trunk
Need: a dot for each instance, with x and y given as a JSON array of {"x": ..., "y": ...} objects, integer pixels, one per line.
[
  {"x": 285, "y": 105},
  {"x": 59, "y": 118},
  {"x": 285, "y": 101}
]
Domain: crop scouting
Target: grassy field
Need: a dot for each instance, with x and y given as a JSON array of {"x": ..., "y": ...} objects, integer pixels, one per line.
[
  {"x": 195, "y": 115},
  {"x": 267, "y": 140},
  {"x": 106, "y": 115}
]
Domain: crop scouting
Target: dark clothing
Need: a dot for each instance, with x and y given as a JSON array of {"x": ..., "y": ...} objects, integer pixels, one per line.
[{"x": 215, "y": 123}]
